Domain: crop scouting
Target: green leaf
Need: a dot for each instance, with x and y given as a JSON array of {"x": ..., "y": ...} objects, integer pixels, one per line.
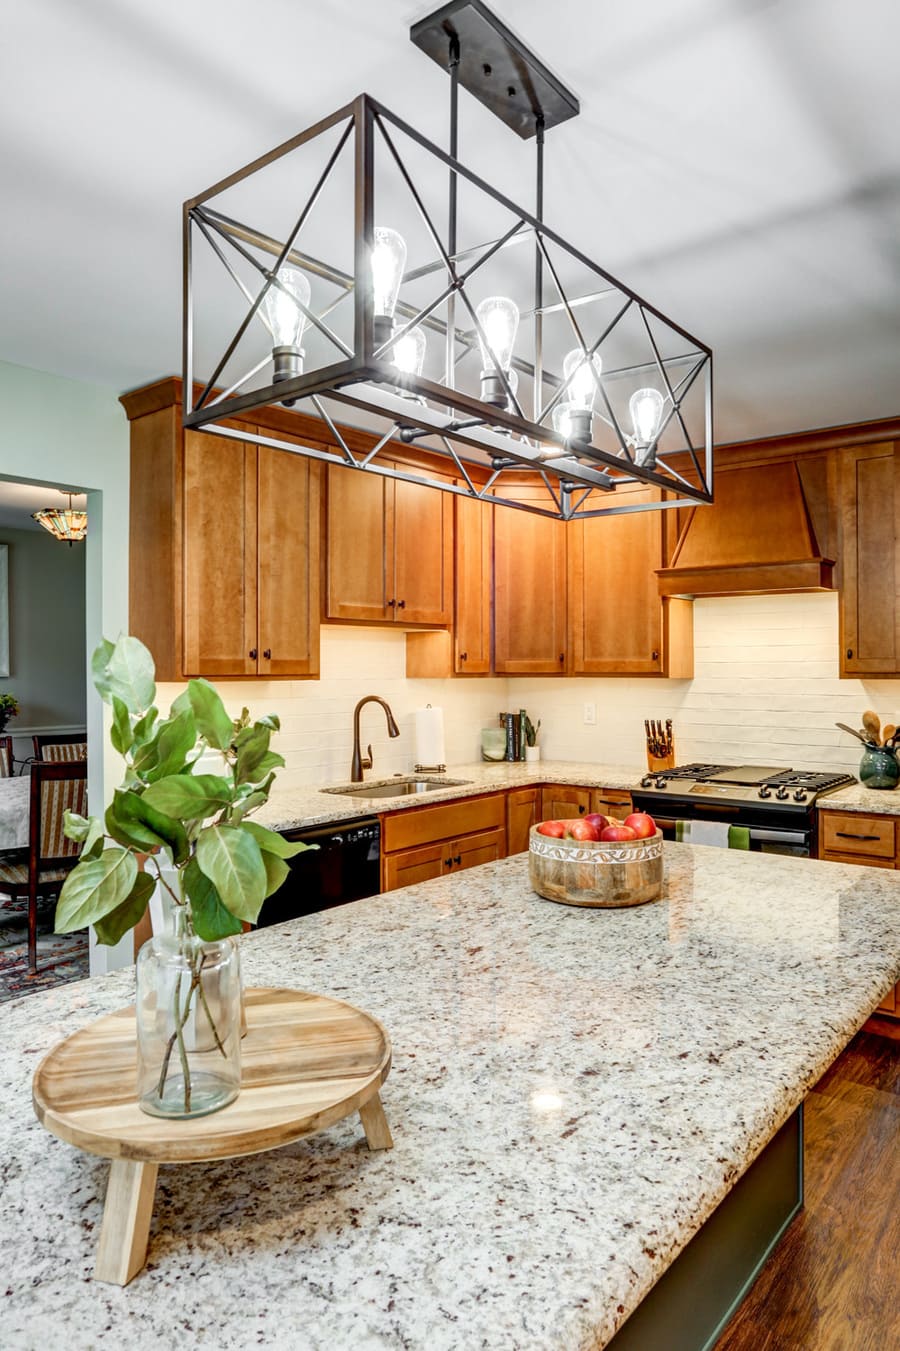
[
  {"x": 137, "y": 824},
  {"x": 270, "y": 720},
  {"x": 125, "y": 916},
  {"x": 130, "y": 674},
  {"x": 86, "y": 828},
  {"x": 230, "y": 858},
  {"x": 168, "y": 752},
  {"x": 143, "y": 730},
  {"x": 209, "y": 714},
  {"x": 94, "y": 889},
  {"x": 190, "y": 797},
  {"x": 273, "y": 843},
  {"x": 211, "y": 919},
  {"x": 121, "y": 734},
  {"x": 276, "y": 871},
  {"x": 100, "y": 659}
]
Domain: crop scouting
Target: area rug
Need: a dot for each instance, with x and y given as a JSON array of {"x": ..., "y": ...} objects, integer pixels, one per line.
[{"x": 60, "y": 957}]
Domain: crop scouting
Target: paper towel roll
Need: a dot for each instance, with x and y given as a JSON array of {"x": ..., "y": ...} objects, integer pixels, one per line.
[{"x": 430, "y": 737}]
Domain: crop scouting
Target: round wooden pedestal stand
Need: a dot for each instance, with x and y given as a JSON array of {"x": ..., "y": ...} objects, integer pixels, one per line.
[{"x": 306, "y": 1062}]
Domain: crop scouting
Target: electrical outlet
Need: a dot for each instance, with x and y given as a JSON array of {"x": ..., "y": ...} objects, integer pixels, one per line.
[{"x": 590, "y": 714}]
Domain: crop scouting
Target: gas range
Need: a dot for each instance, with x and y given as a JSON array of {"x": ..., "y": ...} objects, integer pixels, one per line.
[
  {"x": 744, "y": 783},
  {"x": 777, "y": 805}
]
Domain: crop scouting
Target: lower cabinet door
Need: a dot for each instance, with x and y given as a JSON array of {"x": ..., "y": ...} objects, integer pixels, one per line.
[
  {"x": 522, "y": 806},
  {"x": 560, "y": 804},
  {"x": 410, "y": 866},
  {"x": 474, "y": 849}
]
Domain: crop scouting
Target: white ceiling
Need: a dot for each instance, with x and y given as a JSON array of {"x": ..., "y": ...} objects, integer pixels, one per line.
[{"x": 736, "y": 161}]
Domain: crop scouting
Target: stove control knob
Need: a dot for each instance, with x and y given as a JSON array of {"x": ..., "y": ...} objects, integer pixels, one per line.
[
  {"x": 662, "y": 783},
  {"x": 648, "y": 781},
  {"x": 781, "y": 793},
  {"x": 765, "y": 792},
  {"x": 800, "y": 795}
]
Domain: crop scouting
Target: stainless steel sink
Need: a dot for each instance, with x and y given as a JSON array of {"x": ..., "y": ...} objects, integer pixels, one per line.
[{"x": 404, "y": 785}]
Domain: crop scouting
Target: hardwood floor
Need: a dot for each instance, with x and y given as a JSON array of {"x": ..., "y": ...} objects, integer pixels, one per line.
[{"x": 834, "y": 1283}]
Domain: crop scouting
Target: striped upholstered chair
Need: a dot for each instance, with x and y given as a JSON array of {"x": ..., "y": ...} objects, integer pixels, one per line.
[
  {"x": 60, "y": 746},
  {"x": 6, "y": 757},
  {"x": 41, "y": 869}
]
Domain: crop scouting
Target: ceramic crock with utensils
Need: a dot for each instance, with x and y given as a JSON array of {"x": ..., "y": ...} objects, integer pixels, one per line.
[{"x": 879, "y": 766}]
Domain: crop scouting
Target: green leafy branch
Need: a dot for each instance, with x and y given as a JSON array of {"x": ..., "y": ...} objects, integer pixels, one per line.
[{"x": 225, "y": 865}]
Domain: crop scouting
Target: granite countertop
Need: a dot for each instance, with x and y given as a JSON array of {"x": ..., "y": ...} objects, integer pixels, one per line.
[
  {"x": 877, "y": 802},
  {"x": 573, "y": 1092},
  {"x": 290, "y": 808}
]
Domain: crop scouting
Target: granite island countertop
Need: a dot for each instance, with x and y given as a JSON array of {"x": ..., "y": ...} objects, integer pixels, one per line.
[
  {"x": 573, "y": 1092},
  {"x": 856, "y": 798}
]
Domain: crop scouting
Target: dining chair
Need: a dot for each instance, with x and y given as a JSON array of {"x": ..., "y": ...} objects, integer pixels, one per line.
[
  {"x": 6, "y": 757},
  {"x": 60, "y": 746},
  {"x": 43, "y": 867}
]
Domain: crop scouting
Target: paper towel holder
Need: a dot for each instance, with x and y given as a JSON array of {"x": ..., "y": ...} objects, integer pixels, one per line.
[{"x": 429, "y": 769}]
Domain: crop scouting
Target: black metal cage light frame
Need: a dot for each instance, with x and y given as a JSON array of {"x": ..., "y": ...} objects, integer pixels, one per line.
[{"x": 485, "y": 438}]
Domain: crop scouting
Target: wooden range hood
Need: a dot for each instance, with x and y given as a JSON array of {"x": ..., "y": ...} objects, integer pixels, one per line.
[{"x": 770, "y": 529}]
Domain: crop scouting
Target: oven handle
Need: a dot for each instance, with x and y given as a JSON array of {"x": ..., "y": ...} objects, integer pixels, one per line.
[{"x": 756, "y": 832}]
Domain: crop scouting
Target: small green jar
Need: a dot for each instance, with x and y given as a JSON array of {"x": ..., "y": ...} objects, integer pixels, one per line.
[{"x": 879, "y": 768}]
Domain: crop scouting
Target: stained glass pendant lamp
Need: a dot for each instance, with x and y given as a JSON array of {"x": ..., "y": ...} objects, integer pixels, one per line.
[{"x": 64, "y": 523}]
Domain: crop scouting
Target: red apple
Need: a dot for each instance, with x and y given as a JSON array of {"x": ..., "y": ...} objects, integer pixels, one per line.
[
  {"x": 581, "y": 829},
  {"x": 622, "y": 832},
  {"x": 598, "y": 820},
  {"x": 642, "y": 824},
  {"x": 555, "y": 828}
]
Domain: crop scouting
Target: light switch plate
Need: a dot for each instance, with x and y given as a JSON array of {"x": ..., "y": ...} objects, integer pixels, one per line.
[{"x": 590, "y": 713}]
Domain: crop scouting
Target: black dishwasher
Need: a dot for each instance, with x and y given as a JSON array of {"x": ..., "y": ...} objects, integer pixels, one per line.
[{"x": 345, "y": 867}]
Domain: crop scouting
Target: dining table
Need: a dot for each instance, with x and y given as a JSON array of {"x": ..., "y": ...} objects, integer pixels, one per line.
[{"x": 15, "y": 795}]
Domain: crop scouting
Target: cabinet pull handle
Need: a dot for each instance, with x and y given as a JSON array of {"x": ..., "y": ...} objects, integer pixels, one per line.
[
  {"x": 253, "y": 654},
  {"x": 458, "y": 858},
  {"x": 401, "y": 604},
  {"x": 849, "y": 835},
  {"x": 391, "y": 604},
  {"x": 267, "y": 653},
  {"x": 654, "y": 656}
]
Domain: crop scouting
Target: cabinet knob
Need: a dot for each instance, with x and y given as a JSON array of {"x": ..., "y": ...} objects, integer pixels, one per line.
[
  {"x": 391, "y": 604},
  {"x": 401, "y": 604},
  {"x": 562, "y": 657},
  {"x": 253, "y": 654},
  {"x": 581, "y": 810},
  {"x": 464, "y": 656},
  {"x": 457, "y": 858},
  {"x": 654, "y": 656},
  {"x": 448, "y": 862},
  {"x": 849, "y": 653},
  {"x": 267, "y": 653}
]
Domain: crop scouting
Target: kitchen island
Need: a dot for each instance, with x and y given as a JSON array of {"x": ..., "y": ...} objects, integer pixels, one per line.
[{"x": 573, "y": 1094}]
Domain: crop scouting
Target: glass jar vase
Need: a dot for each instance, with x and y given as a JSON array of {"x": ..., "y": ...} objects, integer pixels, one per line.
[
  {"x": 188, "y": 1008},
  {"x": 879, "y": 768}
]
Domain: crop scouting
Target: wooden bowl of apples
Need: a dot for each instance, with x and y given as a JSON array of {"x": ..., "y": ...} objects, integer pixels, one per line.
[{"x": 597, "y": 860}]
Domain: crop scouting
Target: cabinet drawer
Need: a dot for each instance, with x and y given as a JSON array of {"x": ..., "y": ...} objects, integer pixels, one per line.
[
  {"x": 405, "y": 829},
  {"x": 851, "y": 833},
  {"x": 611, "y": 802}
]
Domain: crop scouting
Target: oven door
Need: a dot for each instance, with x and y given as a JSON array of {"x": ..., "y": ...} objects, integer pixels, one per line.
[{"x": 765, "y": 837}]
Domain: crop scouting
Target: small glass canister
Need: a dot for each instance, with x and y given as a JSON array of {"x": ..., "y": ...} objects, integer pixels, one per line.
[
  {"x": 188, "y": 1009},
  {"x": 879, "y": 768},
  {"x": 493, "y": 743}
]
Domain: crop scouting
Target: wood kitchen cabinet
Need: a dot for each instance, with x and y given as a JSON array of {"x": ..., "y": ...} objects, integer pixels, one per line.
[
  {"x": 529, "y": 589},
  {"x": 389, "y": 550},
  {"x": 870, "y": 560},
  {"x": 465, "y": 649},
  {"x": 522, "y": 812},
  {"x": 224, "y": 549},
  {"x": 560, "y": 802},
  {"x": 618, "y": 623},
  {"x": 419, "y": 844},
  {"x": 851, "y": 837}
]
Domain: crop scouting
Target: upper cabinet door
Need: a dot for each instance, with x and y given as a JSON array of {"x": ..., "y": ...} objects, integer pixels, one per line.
[
  {"x": 529, "y": 591},
  {"x": 288, "y": 570},
  {"x": 615, "y": 613},
  {"x": 474, "y": 545},
  {"x": 360, "y": 564},
  {"x": 870, "y": 540},
  {"x": 422, "y": 532},
  {"x": 220, "y": 637}
]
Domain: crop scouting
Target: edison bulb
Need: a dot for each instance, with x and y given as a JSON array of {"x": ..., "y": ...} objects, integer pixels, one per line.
[
  {"x": 498, "y": 317},
  {"x": 645, "y": 407},
  {"x": 281, "y": 313},
  {"x": 580, "y": 371},
  {"x": 388, "y": 262},
  {"x": 562, "y": 420},
  {"x": 409, "y": 352}
]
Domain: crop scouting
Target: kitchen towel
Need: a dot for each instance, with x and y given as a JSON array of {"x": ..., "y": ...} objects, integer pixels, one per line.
[
  {"x": 717, "y": 833},
  {"x": 430, "y": 737}
]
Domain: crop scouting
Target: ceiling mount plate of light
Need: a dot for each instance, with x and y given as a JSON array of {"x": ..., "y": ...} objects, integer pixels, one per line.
[
  {"x": 67, "y": 524},
  {"x": 368, "y": 279}
]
